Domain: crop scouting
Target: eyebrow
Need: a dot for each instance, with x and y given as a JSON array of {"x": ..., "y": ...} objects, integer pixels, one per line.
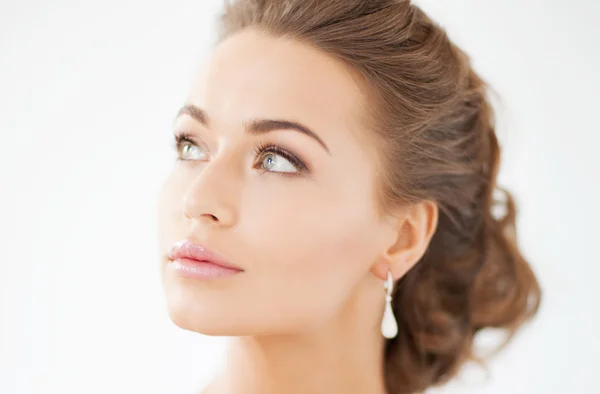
[{"x": 255, "y": 126}]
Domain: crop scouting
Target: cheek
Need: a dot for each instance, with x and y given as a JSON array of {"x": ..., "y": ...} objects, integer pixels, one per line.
[
  {"x": 311, "y": 254},
  {"x": 315, "y": 228}
]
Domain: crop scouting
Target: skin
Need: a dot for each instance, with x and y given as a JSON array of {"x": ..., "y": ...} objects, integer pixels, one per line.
[{"x": 305, "y": 314}]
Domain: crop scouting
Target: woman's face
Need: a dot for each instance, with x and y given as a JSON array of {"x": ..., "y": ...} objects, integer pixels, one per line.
[{"x": 296, "y": 211}]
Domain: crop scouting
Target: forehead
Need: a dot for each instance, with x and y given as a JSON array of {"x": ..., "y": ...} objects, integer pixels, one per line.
[{"x": 254, "y": 75}]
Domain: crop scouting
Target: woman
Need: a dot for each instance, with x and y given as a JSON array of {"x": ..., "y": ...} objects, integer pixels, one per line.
[{"x": 331, "y": 207}]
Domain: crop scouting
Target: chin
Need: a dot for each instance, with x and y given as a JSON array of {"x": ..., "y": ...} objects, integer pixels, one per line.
[
  {"x": 215, "y": 320},
  {"x": 207, "y": 321},
  {"x": 199, "y": 324},
  {"x": 200, "y": 310},
  {"x": 219, "y": 309}
]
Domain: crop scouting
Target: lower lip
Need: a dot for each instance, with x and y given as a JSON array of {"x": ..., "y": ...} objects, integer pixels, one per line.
[{"x": 200, "y": 269}]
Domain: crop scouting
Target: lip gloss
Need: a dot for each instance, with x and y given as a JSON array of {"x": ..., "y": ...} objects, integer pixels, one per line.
[{"x": 195, "y": 261}]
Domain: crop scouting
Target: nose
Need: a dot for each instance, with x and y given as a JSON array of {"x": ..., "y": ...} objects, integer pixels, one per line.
[{"x": 211, "y": 195}]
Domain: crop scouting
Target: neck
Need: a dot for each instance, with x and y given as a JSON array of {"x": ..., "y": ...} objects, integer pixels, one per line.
[{"x": 345, "y": 356}]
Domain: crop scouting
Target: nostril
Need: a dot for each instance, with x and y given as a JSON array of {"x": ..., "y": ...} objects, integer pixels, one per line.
[{"x": 211, "y": 217}]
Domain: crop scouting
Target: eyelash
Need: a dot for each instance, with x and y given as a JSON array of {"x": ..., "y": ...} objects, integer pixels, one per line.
[
  {"x": 259, "y": 149},
  {"x": 180, "y": 139},
  {"x": 263, "y": 148}
]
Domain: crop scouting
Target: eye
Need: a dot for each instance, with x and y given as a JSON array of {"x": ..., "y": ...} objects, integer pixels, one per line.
[
  {"x": 187, "y": 149},
  {"x": 272, "y": 158},
  {"x": 277, "y": 163}
]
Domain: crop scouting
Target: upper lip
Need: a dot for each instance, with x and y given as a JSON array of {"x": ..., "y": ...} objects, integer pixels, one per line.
[{"x": 189, "y": 250}]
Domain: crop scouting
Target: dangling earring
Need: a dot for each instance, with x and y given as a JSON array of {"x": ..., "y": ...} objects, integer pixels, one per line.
[{"x": 389, "y": 326}]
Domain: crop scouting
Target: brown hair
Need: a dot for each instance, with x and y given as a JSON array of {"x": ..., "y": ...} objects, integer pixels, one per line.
[{"x": 437, "y": 142}]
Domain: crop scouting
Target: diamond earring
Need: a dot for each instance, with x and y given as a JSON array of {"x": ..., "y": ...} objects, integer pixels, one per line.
[{"x": 389, "y": 326}]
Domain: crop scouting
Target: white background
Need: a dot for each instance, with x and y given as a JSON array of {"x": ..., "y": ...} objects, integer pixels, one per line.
[{"x": 88, "y": 92}]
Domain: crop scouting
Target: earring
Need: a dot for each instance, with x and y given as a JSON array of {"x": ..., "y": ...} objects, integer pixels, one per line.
[{"x": 389, "y": 326}]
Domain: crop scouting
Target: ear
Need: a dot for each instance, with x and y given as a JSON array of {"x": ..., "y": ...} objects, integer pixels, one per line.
[{"x": 410, "y": 234}]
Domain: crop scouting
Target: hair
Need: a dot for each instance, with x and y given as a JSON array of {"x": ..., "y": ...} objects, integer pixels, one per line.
[{"x": 436, "y": 139}]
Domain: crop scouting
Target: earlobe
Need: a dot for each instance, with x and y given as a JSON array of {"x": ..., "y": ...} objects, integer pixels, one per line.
[{"x": 380, "y": 270}]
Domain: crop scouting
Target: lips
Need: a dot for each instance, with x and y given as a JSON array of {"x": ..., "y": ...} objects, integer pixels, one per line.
[{"x": 185, "y": 251}]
